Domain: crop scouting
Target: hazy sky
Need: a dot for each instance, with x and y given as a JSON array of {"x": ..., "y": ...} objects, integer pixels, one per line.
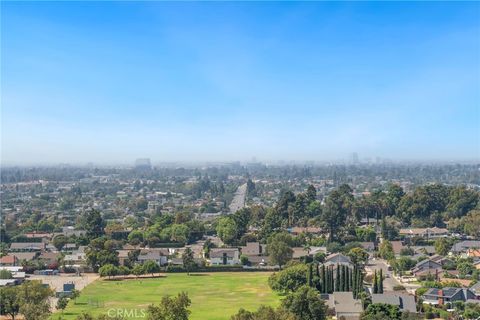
[{"x": 111, "y": 82}]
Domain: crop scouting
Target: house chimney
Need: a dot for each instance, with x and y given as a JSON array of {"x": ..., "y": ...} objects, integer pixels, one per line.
[{"x": 440, "y": 297}]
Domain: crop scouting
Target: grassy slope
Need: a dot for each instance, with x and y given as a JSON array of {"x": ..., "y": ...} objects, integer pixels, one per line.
[{"x": 214, "y": 296}]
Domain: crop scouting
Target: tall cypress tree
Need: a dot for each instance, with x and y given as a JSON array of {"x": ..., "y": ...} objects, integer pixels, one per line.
[
  {"x": 348, "y": 279},
  {"x": 332, "y": 279},
  {"x": 354, "y": 281},
  {"x": 324, "y": 280},
  {"x": 327, "y": 281},
  {"x": 375, "y": 283},
  {"x": 380, "y": 282},
  {"x": 359, "y": 281},
  {"x": 337, "y": 280},
  {"x": 351, "y": 277},
  {"x": 310, "y": 275},
  {"x": 343, "y": 280}
]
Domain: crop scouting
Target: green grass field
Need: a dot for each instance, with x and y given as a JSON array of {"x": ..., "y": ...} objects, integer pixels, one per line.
[{"x": 214, "y": 296}]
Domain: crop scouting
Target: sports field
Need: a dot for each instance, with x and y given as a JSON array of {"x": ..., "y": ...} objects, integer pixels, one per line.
[{"x": 214, "y": 296}]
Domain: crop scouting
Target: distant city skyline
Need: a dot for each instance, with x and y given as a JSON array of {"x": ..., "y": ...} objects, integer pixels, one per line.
[{"x": 112, "y": 82}]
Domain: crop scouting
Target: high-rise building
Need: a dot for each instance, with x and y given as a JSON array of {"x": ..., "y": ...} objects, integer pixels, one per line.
[
  {"x": 354, "y": 158},
  {"x": 143, "y": 164}
]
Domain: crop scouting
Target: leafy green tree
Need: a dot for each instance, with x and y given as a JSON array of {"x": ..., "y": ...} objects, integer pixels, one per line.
[
  {"x": 305, "y": 304},
  {"x": 424, "y": 201},
  {"x": 465, "y": 267},
  {"x": 99, "y": 253},
  {"x": 132, "y": 257},
  {"x": 108, "y": 270},
  {"x": 289, "y": 279},
  {"x": 74, "y": 295},
  {"x": 9, "y": 303},
  {"x": 94, "y": 224},
  {"x": 151, "y": 267},
  {"x": 179, "y": 233},
  {"x": 227, "y": 230},
  {"x": 33, "y": 299},
  {"x": 264, "y": 313},
  {"x": 311, "y": 194},
  {"x": 471, "y": 223},
  {"x": 279, "y": 249},
  {"x": 135, "y": 237},
  {"x": 460, "y": 201},
  {"x": 62, "y": 303},
  {"x": 138, "y": 270},
  {"x": 358, "y": 256},
  {"x": 188, "y": 261},
  {"x": 385, "y": 250},
  {"x": 335, "y": 212},
  {"x": 59, "y": 242},
  {"x": 442, "y": 246},
  {"x": 381, "y": 311},
  {"x": 170, "y": 308}
]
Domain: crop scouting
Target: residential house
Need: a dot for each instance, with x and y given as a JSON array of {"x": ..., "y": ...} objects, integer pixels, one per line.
[
  {"x": 253, "y": 249},
  {"x": 441, "y": 296},
  {"x": 476, "y": 289},
  {"x": 427, "y": 267},
  {"x": 426, "y": 233},
  {"x": 27, "y": 246},
  {"x": 441, "y": 259},
  {"x": 404, "y": 301},
  {"x": 8, "y": 260},
  {"x": 345, "y": 306},
  {"x": 224, "y": 256},
  {"x": 335, "y": 259},
  {"x": 300, "y": 252},
  {"x": 424, "y": 250},
  {"x": 122, "y": 256},
  {"x": 25, "y": 256},
  {"x": 474, "y": 254},
  {"x": 76, "y": 258},
  {"x": 369, "y": 221},
  {"x": 464, "y": 246},
  {"x": 42, "y": 236},
  {"x": 18, "y": 275},
  {"x": 49, "y": 258},
  {"x": 397, "y": 247},
  {"x": 157, "y": 255},
  {"x": 71, "y": 231},
  {"x": 299, "y": 230},
  {"x": 368, "y": 246},
  {"x": 255, "y": 252}
]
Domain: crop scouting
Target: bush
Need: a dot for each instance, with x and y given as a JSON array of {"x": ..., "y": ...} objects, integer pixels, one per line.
[{"x": 399, "y": 288}]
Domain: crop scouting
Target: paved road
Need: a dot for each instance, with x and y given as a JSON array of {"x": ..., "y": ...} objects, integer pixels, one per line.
[
  {"x": 238, "y": 201},
  {"x": 390, "y": 280}
]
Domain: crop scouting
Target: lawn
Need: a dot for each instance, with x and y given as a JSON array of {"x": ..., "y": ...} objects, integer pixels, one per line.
[{"x": 215, "y": 296}]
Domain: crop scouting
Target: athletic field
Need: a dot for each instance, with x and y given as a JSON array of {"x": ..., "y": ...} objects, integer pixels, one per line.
[{"x": 214, "y": 296}]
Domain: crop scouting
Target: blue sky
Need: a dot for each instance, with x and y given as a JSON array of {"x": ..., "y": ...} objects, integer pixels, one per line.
[{"x": 114, "y": 81}]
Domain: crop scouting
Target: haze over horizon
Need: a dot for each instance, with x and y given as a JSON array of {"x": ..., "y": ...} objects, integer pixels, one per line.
[{"x": 109, "y": 82}]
